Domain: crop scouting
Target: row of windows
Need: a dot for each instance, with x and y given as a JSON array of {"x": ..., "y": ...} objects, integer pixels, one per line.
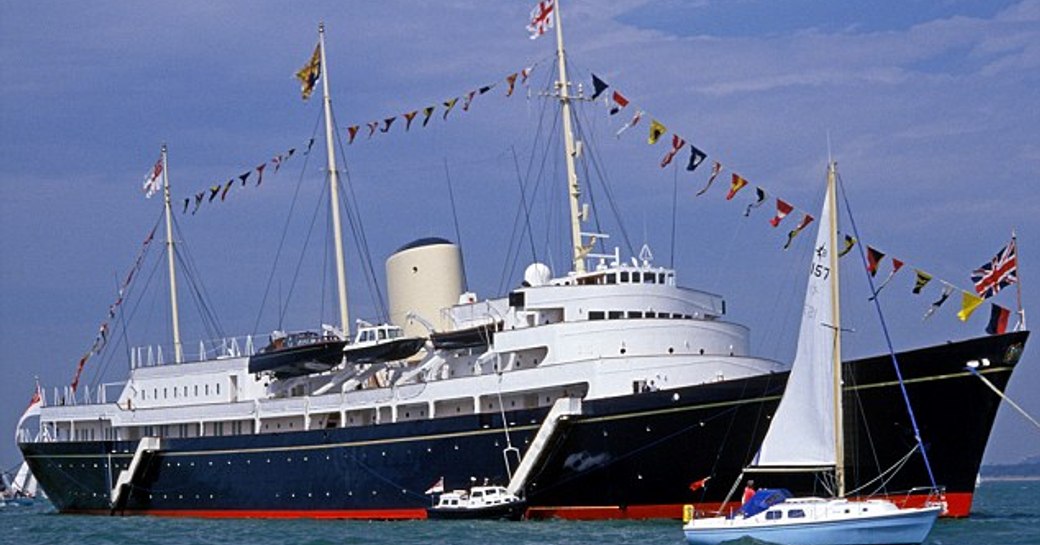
[
  {"x": 619, "y": 314},
  {"x": 177, "y": 391},
  {"x": 791, "y": 514},
  {"x": 636, "y": 277}
]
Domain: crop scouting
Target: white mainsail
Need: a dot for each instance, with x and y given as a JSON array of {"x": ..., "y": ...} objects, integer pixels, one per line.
[{"x": 802, "y": 432}]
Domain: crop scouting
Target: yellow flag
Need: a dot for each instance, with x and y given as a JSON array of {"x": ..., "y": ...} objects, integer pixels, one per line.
[
  {"x": 309, "y": 74},
  {"x": 656, "y": 130},
  {"x": 969, "y": 302}
]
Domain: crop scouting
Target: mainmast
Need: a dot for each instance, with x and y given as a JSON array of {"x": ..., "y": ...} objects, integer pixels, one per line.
[
  {"x": 832, "y": 254},
  {"x": 573, "y": 189},
  {"x": 178, "y": 356},
  {"x": 341, "y": 275}
]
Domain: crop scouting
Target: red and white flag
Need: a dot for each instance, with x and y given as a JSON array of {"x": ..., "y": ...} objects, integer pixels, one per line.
[
  {"x": 437, "y": 487},
  {"x": 33, "y": 409},
  {"x": 152, "y": 181},
  {"x": 782, "y": 210},
  {"x": 541, "y": 18}
]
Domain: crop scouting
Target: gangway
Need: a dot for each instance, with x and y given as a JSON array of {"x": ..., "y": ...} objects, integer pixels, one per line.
[
  {"x": 562, "y": 409},
  {"x": 145, "y": 447}
]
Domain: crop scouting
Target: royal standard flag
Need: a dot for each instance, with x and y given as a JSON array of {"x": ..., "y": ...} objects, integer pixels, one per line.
[{"x": 309, "y": 74}]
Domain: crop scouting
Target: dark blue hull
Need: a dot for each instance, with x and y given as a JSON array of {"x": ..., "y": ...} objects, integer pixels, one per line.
[{"x": 632, "y": 456}]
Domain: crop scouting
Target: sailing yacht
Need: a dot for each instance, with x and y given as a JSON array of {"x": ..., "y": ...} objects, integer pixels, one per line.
[
  {"x": 806, "y": 435},
  {"x": 617, "y": 385}
]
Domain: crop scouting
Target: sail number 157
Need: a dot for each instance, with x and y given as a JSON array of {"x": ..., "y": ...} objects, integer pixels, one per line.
[{"x": 820, "y": 270}]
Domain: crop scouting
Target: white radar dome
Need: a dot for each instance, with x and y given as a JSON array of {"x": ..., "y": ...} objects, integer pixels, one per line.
[{"x": 537, "y": 274}]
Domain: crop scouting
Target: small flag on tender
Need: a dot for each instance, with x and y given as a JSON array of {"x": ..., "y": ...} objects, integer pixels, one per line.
[
  {"x": 696, "y": 158},
  {"x": 999, "y": 273},
  {"x": 782, "y": 210},
  {"x": 656, "y": 130},
  {"x": 541, "y": 18},
  {"x": 152, "y": 181},
  {"x": 677, "y": 144},
  {"x": 946, "y": 292},
  {"x": 716, "y": 168},
  {"x": 309, "y": 74},
  {"x": 436, "y": 488},
  {"x": 921, "y": 281},
  {"x": 697, "y": 485},
  {"x": 998, "y": 319},
  {"x": 969, "y": 302},
  {"x": 598, "y": 86},
  {"x": 735, "y": 185},
  {"x": 874, "y": 258}
]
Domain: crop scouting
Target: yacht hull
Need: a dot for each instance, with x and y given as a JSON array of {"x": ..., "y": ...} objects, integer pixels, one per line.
[{"x": 631, "y": 456}]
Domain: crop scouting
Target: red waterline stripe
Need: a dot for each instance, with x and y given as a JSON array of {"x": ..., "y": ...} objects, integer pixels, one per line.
[{"x": 958, "y": 506}]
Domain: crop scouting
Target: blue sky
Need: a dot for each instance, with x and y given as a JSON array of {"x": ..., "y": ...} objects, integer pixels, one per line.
[{"x": 930, "y": 109}]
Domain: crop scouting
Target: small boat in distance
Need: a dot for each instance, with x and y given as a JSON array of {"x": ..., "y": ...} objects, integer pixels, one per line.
[
  {"x": 806, "y": 435},
  {"x": 479, "y": 502},
  {"x": 298, "y": 353}
]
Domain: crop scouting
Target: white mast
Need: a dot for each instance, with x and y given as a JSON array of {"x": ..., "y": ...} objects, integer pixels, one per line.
[
  {"x": 174, "y": 315},
  {"x": 341, "y": 275},
  {"x": 573, "y": 190},
  {"x": 839, "y": 430}
]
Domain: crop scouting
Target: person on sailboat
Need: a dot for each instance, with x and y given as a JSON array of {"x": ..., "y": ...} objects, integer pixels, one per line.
[{"x": 749, "y": 491}]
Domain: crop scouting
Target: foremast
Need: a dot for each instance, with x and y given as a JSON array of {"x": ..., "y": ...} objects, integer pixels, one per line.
[
  {"x": 579, "y": 250},
  {"x": 341, "y": 275},
  {"x": 178, "y": 352}
]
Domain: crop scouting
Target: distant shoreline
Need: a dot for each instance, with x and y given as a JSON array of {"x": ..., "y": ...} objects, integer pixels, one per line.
[{"x": 1009, "y": 478}]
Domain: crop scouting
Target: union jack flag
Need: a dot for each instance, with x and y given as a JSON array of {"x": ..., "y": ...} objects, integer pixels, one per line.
[
  {"x": 541, "y": 18},
  {"x": 999, "y": 273}
]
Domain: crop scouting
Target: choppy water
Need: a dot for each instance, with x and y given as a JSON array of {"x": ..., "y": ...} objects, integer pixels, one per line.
[{"x": 1006, "y": 513}]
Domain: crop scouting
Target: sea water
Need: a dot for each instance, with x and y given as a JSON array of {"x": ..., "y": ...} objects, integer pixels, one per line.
[{"x": 1005, "y": 513}]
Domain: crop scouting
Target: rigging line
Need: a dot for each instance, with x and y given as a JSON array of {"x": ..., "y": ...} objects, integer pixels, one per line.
[
  {"x": 303, "y": 253},
  {"x": 604, "y": 179},
  {"x": 107, "y": 356},
  {"x": 517, "y": 234},
  {"x": 870, "y": 439},
  {"x": 675, "y": 208},
  {"x": 1003, "y": 396},
  {"x": 582, "y": 135},
  {"x": 365, "y": 253},
  {"x": 455, "y": 220},
  {"x": 526, "y": 209},
  {"x": 888, "y": 338},
  {"x": 196, "y": 283},
  {"x": 285, "y": 231}
]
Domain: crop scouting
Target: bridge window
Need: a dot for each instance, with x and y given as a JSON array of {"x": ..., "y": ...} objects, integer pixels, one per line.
[
  {"x": 615, "y": 315},
  {"x": 796, "y": 514},
  {"x": 774, "y": 515},
  {"x": 635, "y": 314},
  {"x": 596, "y": 315},
  {"x": 624, "y": 277}
]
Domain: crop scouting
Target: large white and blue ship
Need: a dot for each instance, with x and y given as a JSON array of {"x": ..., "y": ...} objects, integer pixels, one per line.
[{"x": 600, "y": 392}]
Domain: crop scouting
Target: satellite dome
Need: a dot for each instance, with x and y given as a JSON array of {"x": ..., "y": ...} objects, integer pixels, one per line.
[{"x": 537, "y": 274}]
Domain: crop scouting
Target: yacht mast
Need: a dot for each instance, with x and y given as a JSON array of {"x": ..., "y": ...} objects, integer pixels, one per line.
[
  {"x": 839, "y": 432},
  {"x": 177, "y": 351},
  {"x": 341, "y": 275},
  {"x": 570, "y": 150}
]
